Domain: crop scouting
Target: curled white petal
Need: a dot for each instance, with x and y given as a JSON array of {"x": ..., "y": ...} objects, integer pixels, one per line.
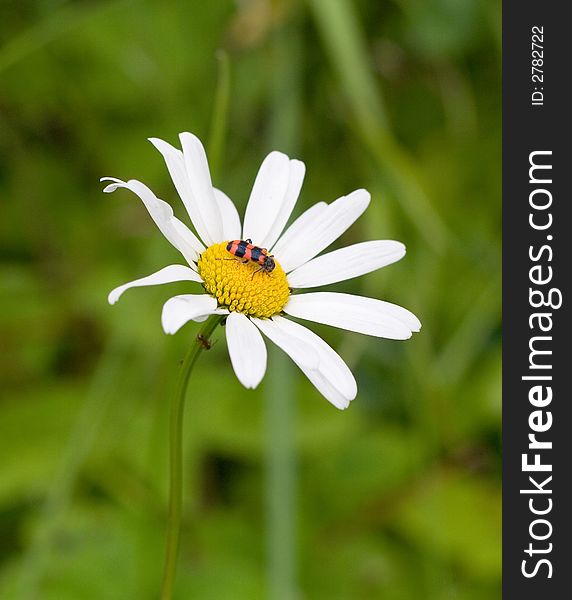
[
  {"x": 354, "y": 313},
  {"x": 168, "y": 274},
  {"x": 230, "y": 219},
  {"x": 318, "y": 233},
  {"x": 332, "y": 377},
  {"x": 190, "y": 241},
  {"x": 180, "y": 309},
  {"x": 174, "y": 230},
  {"x": 346, "y": 263},
  {"x": 267, "y": 197},
  {"x": 201, "y": 187},
  {"x": 246, "y": 349}
]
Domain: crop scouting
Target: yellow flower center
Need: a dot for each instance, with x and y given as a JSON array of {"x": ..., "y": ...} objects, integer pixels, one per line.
[{"x": 241, "y": 286}]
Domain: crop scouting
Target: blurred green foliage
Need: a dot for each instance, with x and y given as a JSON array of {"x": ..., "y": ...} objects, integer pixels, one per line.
[{"x": 397, "y": 497}]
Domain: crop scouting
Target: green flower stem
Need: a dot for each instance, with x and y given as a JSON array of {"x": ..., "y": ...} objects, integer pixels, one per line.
[{"x": 176, "y": 455}]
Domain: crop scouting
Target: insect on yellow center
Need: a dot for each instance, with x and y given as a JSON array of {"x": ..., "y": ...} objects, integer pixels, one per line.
[{"x": 241, "y": 286}]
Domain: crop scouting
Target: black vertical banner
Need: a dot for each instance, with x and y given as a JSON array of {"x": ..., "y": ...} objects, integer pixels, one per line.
[{"x": 537, "y": 254}]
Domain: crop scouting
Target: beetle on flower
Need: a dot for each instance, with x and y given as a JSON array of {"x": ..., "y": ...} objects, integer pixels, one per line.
[{"x": 262, "y": 303}]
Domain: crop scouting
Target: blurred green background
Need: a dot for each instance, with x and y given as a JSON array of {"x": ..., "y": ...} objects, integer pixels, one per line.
[{"x": 285, "y": 497}]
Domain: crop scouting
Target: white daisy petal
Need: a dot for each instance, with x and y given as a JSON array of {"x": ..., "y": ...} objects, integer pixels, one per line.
[
  {"x": 180, "y": 309},
  {"x": 175, "y": 161},
  {"x": 174, "y": 230},
  {"x": 246, "y": 349},
  {"x": 298, "y": 226},
  {"x": 202, "y": 188},
  {"x": 267, "y": 196},
  {"x": 355, "y": 313},
  {"x": 302, "y": 353},
  {"x": 230, "y": 219},
  {"x": 295, "y": 180},
  {"x": 318, "y": 233},
  {"x": 346, "y": 263},
  {"x": 332, "y": 378},
  {"x": 166, "y": 275},
  {"x": 189, "y": 239}
]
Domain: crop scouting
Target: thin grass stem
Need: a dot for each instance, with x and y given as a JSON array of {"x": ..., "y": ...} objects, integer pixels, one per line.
[{"x": 220, "y": 114}]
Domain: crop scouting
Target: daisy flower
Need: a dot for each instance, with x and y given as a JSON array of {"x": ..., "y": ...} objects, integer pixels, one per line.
[{"x": 259, "y": 300}]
